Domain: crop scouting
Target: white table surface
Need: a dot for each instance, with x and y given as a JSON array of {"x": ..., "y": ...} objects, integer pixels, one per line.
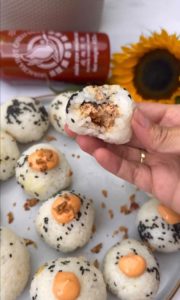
[{"x": 124, "y": 21}]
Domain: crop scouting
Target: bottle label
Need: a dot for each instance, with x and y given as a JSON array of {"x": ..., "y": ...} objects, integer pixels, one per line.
[
  {"x": 67, "y": 56},
  {"x": 49, "y": 52}
]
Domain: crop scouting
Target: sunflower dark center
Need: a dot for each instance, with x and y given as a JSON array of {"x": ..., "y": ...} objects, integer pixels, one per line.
[{"x": 157, "y": 74}]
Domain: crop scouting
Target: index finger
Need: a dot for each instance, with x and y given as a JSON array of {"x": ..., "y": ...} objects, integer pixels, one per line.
[{"x": 165, "y": 114}]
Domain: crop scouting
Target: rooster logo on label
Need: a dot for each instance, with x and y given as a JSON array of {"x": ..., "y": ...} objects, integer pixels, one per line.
[{"x": 47, "y": 51}]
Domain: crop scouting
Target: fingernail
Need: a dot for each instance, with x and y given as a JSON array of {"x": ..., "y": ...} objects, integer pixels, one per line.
[{"x": 141, "y": 119}]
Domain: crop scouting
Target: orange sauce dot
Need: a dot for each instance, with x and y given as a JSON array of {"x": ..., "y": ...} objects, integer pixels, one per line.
[
  {"x": 132, "y": 265},
  {"x": 66, "y": 286},
  {"x": 168, "y": 215},
  {"x": 43, "y": 160},
  {"x": 65, "y": 208}
]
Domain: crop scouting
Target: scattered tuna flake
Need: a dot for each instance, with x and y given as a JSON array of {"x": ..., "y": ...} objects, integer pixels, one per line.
[
  {"x": 126, "y": 209},
  {"x": 121, "y": 229},
  {"x": 124, "y": 230},
  {"x": 29, "y": 242},
  {"x": 50, "y": 138},
  {"x": 97, "y": 248},
  {"x": 10, "y": 217},
  {"x": 30, "y": 203},
  {"x": 103, "y": 205},
  {"x": 105, "y": 193},
  {"x": 111, "y": 213}
]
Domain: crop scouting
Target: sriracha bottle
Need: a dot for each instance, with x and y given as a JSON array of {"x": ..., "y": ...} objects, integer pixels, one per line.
[{"x": 78, "y": 57}]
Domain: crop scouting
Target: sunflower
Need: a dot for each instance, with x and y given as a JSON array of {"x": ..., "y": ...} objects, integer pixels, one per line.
[{"x": 150, "y": 69}]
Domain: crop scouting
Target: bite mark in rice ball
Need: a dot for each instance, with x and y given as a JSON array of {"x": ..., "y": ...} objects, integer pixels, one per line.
[
  {"x": 101, "y": 111},
  {"x": 42, "y": 171},
  {"x": 65, "y": 221},
  {"x": 131, "y": 271},
  {"x": 159, "y": 226},
  {"x": 72, "y": 278}
]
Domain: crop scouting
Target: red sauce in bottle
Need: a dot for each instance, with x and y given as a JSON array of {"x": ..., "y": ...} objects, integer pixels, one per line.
[{"x": 64, "y": 56}]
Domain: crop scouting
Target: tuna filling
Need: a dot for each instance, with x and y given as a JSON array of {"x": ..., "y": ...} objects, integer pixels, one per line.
[{"x": 102, "y": 115}]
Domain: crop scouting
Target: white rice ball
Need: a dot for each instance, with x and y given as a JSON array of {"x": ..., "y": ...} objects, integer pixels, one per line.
[
  {"x": 72, "y": 235},
  {"x": 154, "y": 230},
  {"x": 101, "y": 111},
  {"x": 15, "y": 265},
  {"x": 45, "y": 183},
  {"x": 91, "y": 281},
  {"x": 24, "y": 118},
  {"x": 144, "y": 286},
  {"x": 57, "y": 111},
  {"x": 9, "y": 154}
]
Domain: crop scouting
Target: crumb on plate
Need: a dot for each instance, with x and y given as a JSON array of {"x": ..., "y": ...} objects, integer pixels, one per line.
[
  {"x": 50, "y": 138},
  {"x": 29, "y": 242},
  {"x": 105, "y": 193},
  {"x": 97, "y": 248},
  {"x": 30, "y": 203},
  {"x": 111, "y": 213},
  {"x": 10, "y": 217}
]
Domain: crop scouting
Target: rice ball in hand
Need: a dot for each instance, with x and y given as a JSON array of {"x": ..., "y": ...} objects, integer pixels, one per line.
[
  {"x": 70, "y": 278},
  {"x": 9, "y": 154},
  {"x": 131, "y": 271},
  {"x": 159, "y": 226},
  {"x": 65, "y": 221},
  {"x": 24, "y": 118},
  {"x": 42, "y": 171},
  {"x": 101, "y": 111},
  {"x": 14, "y": 265},
  {"x": 57, "y": 111}
]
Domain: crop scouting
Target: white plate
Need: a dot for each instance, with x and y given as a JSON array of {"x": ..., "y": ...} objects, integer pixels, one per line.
[{"x": 89, "y": 179}]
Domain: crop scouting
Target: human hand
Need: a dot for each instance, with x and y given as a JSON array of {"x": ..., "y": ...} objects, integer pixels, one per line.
[{"x": 156, "y": 132}]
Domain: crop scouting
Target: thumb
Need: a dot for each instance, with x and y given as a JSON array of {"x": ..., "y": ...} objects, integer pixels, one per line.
[{"x": 154, "y": 136}]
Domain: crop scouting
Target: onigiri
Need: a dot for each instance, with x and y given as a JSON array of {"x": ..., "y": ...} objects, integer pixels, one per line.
[
  {"x": 159, "y": 226},
  {"x": 70, "y": 278},
  {"x": 9, "y": 154},
  {"x": 65, "y": 221},
  {"x": 57, "y": 111},
  {"x": 101, "y": 111},
  {"x": 43, "y": 171},
  {"x": 131, "y": 271},
  {"x": 15, "y": 265},
  {"x": 24, "y": 118}
]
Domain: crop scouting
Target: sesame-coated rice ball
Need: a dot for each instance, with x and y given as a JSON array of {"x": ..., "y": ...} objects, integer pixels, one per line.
[
  {"x": 42, "y": 171},
  {"x": 9, "y": 154},
  {"x": 131, "y": 271},
  {"x": 57, "y": 111},
  {"x": 24, "y": 118},
  {"x": 71, "y": 278},
  {"x": 65, "y": 221},
  {"x": 159, "y": 226}
]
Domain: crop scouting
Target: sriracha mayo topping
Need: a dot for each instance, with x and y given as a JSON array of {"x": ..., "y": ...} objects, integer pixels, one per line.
[
  {"x": 66, "y": 286},
  {"x": 43, "y": 160},
  {"x": 132, "y": 265},
  {"x": 168, "y": 215},
  {"x": 65, "y": 208}
]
